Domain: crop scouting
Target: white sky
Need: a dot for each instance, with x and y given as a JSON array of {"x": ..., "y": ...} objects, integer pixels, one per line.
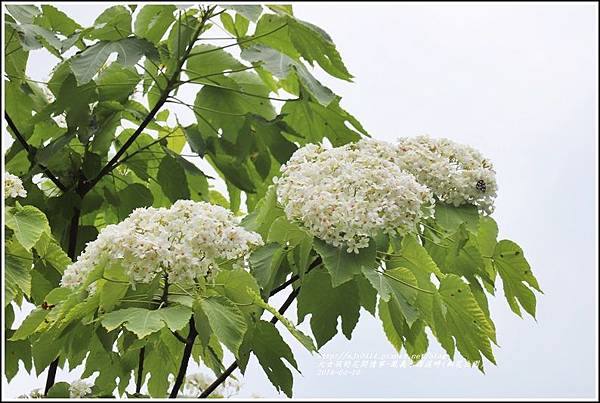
[{"x": 519, "y": 82}]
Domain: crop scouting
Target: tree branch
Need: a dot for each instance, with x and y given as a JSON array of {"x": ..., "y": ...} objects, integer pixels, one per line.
[
  {"x": 31, "y": 153},
  {"x": 187, "y": 352},
  {"x": 71, "y": 252},
  {"x": 139, "y": 380}
]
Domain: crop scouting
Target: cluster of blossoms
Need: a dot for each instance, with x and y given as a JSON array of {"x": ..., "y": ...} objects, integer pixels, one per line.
[
  {"x": 13, "y": 186},
  {"x": 188, "y": 240},
  {"x": 348, "y": 194},
  {"x": 456, "y": 174},
  {"x": 79, "y": 389}
]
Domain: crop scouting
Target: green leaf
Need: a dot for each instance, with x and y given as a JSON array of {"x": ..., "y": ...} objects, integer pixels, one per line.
[
  {"x": 251, "y": 12},
  {"x": 59, "y": 390},
  {"x": 117, "y": 83},
  {"x": 17, "y": 274},
  {"x": 263, "y": 215},
  {"x": 398, "y": 285},
  {"x": 221, "y": 106},
  {"x": 195, "y": 139},
  {"x": 35, "y": 37},
  {"x": 226, "y": 320},
  {"x": 143, "y": 322},
  {"x": 466, "y": 321},
  {"x": 450, "y": 217},
  {"x": 30, "y": 324},
  {"x": 172, "y": 179},
  {"x": 326, "y": 304},
  {"x": 55, "y": 20},
  {"x": 517, "y": 278},
  {"x": 301, "y": 337},
  {"x": 23, "y": 13},
  {"x": 206, "y": 61},
  {"x": 264, "y": 263},
  {"x": 281, "y": 66},
  {"x": 399, "y": 333},
  {"x": 15, "y": 56},
  {"x": 51, "y": 253},
  {"x": 113, "y": 24},
  {"x": 367, "y": 294},
  {"x": 28, "y": 224},
  {"x": 131, "y": 197},
  {"x": 271, "y": 350},
  {"x": 15, "y": 352},
  {"x": 343, "y": 266},
  {"x": 315, "y": 45},
  {"x": 235, "y": 285},
  {"x": 314, "y": 122},
  {"x": 152, "y": 21},
  {"x": 286, "y": 233},
  {"x": 86, "y": 64}
]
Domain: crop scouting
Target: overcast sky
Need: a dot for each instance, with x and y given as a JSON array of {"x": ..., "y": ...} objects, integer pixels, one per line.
[{"x": 519, "y": 82}]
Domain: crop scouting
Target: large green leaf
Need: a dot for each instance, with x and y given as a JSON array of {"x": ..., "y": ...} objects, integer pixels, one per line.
[
  {"x": 129, "y": 51},
  {"x": 221, "y": 106},
  {"x": 172, "y": 179},
  {"x": 28, "y": 224},
  {"x": 400, "y": 333},
  {"x": 152, "y": 21},
  {"x": 314, "y": 121},
  {"x": 117, "y": 82},
  {"x": 517, "y": 278},
  {"x": 30, "y": 324},
  {"x": 315, "y": 45},
  {"x": 281, "y": 66},
  {"x": 226, "y": 320},
  {"x": 51, "y": 253},
  {"x": 143, "y": 322},
  {"x": 207, "y": 61},
  {"x": 264, "y": 262},
  {"x": 327, "y": 304},
  {"x": 55, "y": 20},
  {"x": 343, "y": 266},
  {"x": 266, "y": 211},
  {"x": 466, "y": 321},
  {"x": 266, "y": 343},
  {"x": 450, "y": 217},
  {"x": 397, "y": 285},
  {"x": 251, "y": 12},
  {"x": 113, "y": 24},
  {"x": 239, "y": 287},
  {"x": 23, "y": 13}
]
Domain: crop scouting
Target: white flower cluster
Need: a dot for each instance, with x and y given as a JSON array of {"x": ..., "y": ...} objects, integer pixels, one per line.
[
  {"x": 456, "y": 174},
  {"x": 348, "y": 194},
  {"x": 185, "y": 241},
  {"x": 79, "y": 389},
  {"x": 13, "y": 186}
]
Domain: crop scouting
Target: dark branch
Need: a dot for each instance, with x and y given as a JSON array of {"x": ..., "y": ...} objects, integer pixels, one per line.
[
  {"x": 187, "y": 352},
  {"x": 71, "y": 252},
  {"x": 140, "y": 379},
  {"x": 31, "y": 152}
]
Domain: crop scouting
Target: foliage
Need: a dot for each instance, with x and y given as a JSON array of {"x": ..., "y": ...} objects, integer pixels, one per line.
[{"x": 98, "y": 140}]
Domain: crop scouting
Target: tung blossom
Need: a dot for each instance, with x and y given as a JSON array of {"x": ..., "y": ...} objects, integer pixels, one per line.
[
  {"x": 13, "y": 186},
  {"x": 348, "y": 194},
  {"x": 456, "y": 174},
  {"x": 188, "y": 240}
]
